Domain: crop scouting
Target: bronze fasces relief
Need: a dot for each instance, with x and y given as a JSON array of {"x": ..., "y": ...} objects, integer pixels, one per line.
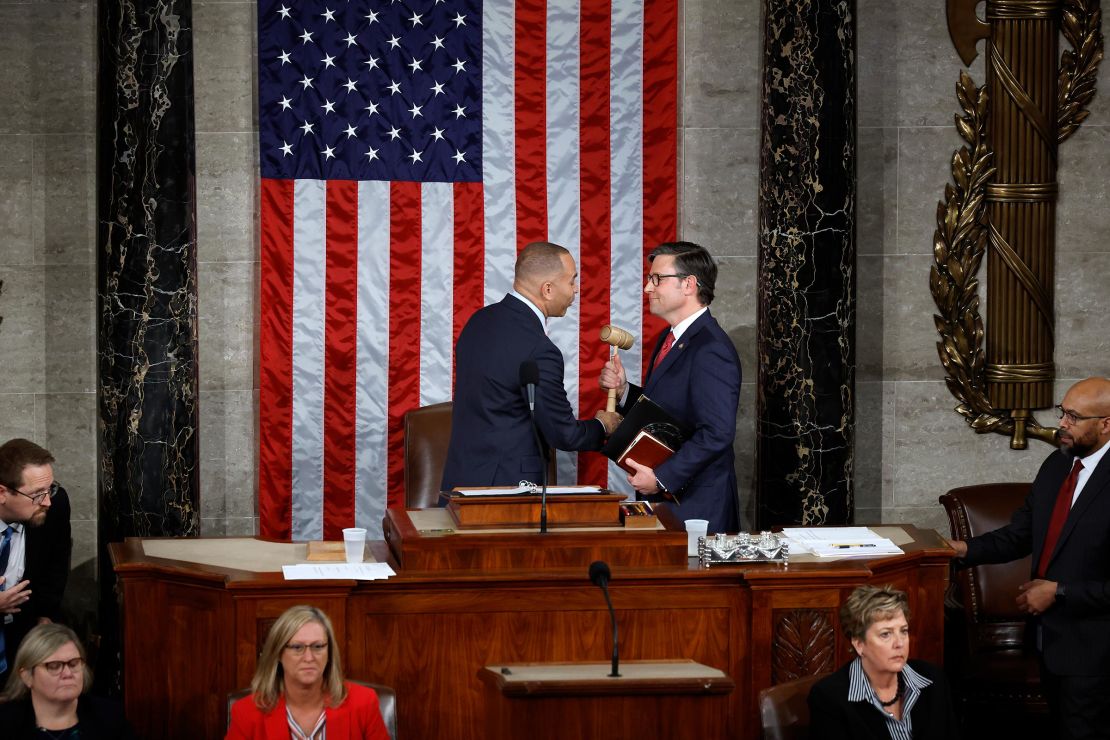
[{"x": 1001, "y": 205}]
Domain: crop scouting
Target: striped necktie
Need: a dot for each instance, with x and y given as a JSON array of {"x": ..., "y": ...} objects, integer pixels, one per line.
[{"x": 5, "y": 553}]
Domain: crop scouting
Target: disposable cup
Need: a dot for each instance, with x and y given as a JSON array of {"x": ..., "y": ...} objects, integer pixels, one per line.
[
  {"x": 354, "y": 540},
  {"x": 695, "y": 528}
]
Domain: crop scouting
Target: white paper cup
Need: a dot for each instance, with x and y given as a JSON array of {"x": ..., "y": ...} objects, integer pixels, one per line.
[
  {"x": 695, "y": 528},
  {"x": 354, "y": 539}
]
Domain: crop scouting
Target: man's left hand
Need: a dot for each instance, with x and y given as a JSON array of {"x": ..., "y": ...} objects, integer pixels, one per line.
[
  {"x": 1036, "y": 596},
  {"x": 644, "y": 478}
]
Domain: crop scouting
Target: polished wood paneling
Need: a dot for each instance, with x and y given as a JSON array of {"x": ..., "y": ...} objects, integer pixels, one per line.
[{"x": 192, "y": 632}]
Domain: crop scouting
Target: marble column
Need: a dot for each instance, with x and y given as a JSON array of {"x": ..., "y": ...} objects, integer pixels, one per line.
[
  {"x": 806, "y": 322},
  {"x": 146, "y": 272}
]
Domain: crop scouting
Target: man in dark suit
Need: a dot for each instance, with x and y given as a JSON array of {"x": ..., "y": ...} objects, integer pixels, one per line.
[
  {"x": 491, "y": 435},
  {"x": 35, "y": 543},
  {"x": 694, "y": 374},
  {"x": 1065, "y": 525}
]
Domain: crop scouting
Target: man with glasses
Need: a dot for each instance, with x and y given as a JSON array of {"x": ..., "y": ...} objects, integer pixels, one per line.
[
  {"x": 1065, "y": 525},
  {"x": 35, "y": 543},
  {"x": 694, "y": 373}
]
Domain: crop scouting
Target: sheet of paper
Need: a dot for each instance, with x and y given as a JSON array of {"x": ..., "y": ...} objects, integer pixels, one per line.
[
  {"x": 337, "y": 571},
  {"x": 551, "y": 491},
  {"x": 839, "y": 542}
]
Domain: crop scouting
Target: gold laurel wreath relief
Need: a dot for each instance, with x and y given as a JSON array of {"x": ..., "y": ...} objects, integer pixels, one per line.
[{"x": 963, "y": 229}]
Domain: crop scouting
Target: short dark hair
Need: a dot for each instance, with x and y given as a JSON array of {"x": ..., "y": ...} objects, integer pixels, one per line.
[
  {"x": 867, "y": 605},
  {"x": 17, "y": 454},
  {"x": 692, "y": 259},
  {"x": 540, "y": 261}
]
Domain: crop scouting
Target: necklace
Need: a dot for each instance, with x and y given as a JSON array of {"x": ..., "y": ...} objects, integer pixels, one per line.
[
  {"x": 897, "y": 695},
  {"x": 69, "y": 732}
]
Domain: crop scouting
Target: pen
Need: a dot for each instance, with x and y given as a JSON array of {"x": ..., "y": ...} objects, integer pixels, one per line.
[{"x": 845, "y": 547}]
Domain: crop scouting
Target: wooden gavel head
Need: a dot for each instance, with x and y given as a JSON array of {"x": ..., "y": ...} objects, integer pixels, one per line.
[{"x": 618, "y": 337}]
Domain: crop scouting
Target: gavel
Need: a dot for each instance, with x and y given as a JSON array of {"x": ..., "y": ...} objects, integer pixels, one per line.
[{"x": 617, "y": 338}]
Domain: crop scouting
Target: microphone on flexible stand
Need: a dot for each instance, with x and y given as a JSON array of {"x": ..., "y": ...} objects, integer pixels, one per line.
[
  {"x": 599, "y": 576},
  {"x": 529, "y": 379}
]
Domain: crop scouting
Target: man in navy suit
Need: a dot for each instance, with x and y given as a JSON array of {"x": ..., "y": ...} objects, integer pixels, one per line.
[
  {"x": 694, "y": 374},
  {"x": 1065, "y": 525},
  {"x": 491, "y": 434}
]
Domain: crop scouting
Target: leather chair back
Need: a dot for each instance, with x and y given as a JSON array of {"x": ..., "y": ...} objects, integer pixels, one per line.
[
  {"x": 427, "y": 435},
  {"x": 784, "y": 709},
  {"x": 387, "y": 703},
  {"x": 988, "y": 591}
]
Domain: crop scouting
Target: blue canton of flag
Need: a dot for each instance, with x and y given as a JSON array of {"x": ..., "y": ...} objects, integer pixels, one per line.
[{"x": 370, "y": 90}]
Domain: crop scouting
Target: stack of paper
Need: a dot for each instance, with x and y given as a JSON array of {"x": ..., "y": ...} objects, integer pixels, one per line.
[
  {"x": 529, "y": 489},
  {"x": 839, "y": 542},
  {"x": 337, "y": 571}
]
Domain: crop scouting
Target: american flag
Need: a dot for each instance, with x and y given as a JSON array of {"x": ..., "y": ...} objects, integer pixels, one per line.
[{"x": 408, "y": 150}]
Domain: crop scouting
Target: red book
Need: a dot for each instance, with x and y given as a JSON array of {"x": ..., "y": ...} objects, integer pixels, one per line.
[{"x": 645, "y": 449}]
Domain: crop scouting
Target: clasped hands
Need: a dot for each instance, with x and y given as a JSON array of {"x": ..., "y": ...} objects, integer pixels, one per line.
[{"x": 1034, "y": 597}]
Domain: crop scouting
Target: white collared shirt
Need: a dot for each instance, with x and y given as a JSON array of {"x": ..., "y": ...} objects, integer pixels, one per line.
[
  {"x": 1090, "y": 462},
  {"x": 535, "y": 309},
  {"x": 683, "y": 325}
]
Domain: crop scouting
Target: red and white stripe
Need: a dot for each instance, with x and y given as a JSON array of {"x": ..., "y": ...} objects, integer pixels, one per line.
[{"x": 366, "y": 285}]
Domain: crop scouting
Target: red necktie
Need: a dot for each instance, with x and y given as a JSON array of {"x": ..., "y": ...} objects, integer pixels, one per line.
[
  {"x": 664, "y": 349},
  {"x": 1059, "y": 516}
]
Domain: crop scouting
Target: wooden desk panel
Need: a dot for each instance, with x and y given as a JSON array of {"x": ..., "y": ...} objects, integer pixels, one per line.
[{"x": 191, "y": 631}]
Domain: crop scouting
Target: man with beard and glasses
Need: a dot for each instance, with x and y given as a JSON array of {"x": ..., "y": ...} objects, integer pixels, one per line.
[
  {"x": 1065, "y": 525},
  {"x": 35, "y": 544}
]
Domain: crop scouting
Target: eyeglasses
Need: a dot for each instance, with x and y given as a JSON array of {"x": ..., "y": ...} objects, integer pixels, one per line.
[
  {"x": 1071, "y": 416},
  {"x": 655, "y": 277},
  {"x": 37, "y": 498},
  {"x": 298, "y": 648},
  {"x": 54, "y": 667}
]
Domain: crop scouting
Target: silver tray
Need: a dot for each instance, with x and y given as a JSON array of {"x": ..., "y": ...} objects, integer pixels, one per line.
[{"x": 742, "y": 549}]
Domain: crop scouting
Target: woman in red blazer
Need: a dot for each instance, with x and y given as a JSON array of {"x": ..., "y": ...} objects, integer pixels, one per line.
[{"x": 298, "y": 691}]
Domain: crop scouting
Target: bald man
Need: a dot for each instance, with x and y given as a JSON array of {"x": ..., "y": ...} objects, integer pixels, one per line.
[
  {"x": 491, "y": 434},
  {"x": 1065, "y": 525}
]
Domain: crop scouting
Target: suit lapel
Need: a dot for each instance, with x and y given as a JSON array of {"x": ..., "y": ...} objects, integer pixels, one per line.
[
  {"x": 277, "y": 721},
  {"x": 338, "y": 724},
  {"x": 676, "y": 350},
  {"x": 1094, "y": 488}
]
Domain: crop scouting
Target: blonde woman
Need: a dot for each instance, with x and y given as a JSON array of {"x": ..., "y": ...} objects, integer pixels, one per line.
[
  {"x": 881, "y": 693},
  {"x": 298, "y": 691},
  {"x": 45, "y": 693}
]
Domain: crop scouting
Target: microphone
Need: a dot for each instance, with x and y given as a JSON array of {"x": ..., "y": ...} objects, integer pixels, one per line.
[
  {"x": 529, "y": 379},
  {"x": 599, "y": 576}
]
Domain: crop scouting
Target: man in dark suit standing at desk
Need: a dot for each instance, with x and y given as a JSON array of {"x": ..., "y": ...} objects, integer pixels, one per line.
[
  {"x": 35, "y": 543},
  {"x": 1065, "y": 524},
  {"x": 694, "y": 374},
  {"x": 491, "y": 434}
]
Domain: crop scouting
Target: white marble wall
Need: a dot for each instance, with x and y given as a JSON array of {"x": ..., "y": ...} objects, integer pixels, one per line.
[{"x": 911, "y": 445}]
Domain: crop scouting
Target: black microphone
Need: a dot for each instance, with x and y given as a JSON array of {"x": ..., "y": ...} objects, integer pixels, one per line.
[
  {"x": 529, "y": 379},
  {"x": 599, "y": 576}
]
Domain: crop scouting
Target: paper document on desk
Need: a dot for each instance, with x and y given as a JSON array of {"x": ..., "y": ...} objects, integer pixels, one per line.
[
  {"x": 839, "y": 542},
  {"x": 337, "y": 571},
  {"x": 529, "y": 490}
]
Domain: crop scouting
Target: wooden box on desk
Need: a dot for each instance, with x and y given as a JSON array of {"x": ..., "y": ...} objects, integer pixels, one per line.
[
  {"x": 600, "y": 509},
  {"x": 441, "y": 547}
]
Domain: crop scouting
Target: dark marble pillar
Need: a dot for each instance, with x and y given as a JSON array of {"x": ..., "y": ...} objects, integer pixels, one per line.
[
  {"x": 806, "y": 325},
  {"x": 146, "y": 277}
]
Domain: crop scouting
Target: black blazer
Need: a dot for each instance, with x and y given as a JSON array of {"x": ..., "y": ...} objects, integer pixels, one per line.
[
  {"x": 48, "y": 551},
  {"x": 832, "y": 716},
  {"x": 99, "y": 719},
  {"x": 1075, "y": 634},
  {"x": 491, "y": 433}
]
